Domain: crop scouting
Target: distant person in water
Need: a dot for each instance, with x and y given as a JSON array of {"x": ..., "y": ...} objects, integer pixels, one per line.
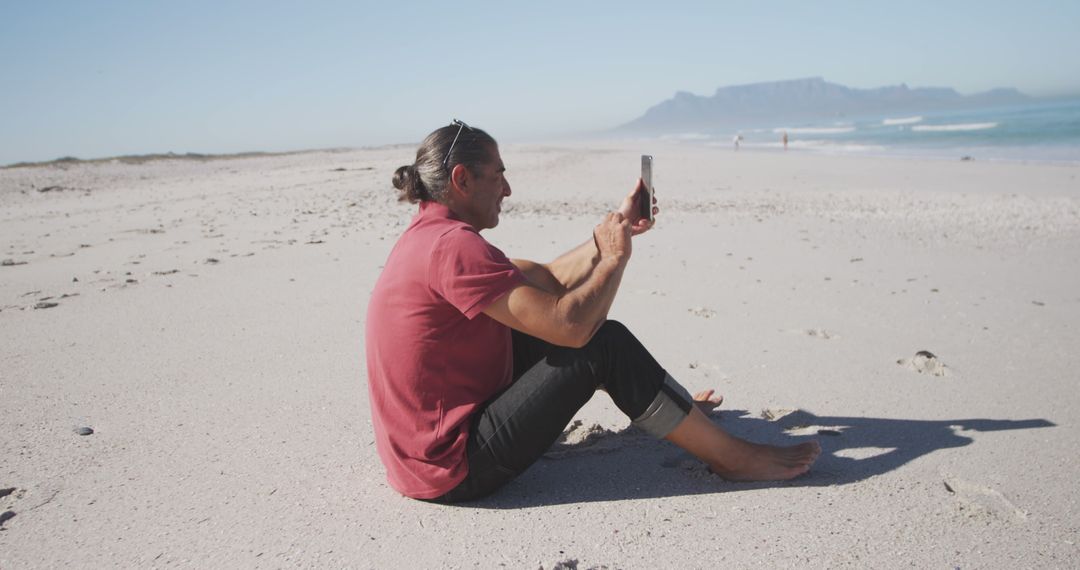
[
  {"x": 477, "y": 363},
  {"x": 785, "y": 140},
  {"x": 736, "y": 141}
]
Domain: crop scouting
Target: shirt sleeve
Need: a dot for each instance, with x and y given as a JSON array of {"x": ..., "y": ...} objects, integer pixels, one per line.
[{"x": 469, "y": 272}]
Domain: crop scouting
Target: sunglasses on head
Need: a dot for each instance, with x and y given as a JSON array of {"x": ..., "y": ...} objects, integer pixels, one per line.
[{"x": 461, "y": 125}]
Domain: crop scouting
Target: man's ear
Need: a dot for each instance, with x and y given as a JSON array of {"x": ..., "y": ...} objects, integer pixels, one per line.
[{"x": 460, "y": 178}]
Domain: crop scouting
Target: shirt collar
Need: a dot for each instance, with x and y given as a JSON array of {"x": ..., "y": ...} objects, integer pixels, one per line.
[{"x": 433, "y": 209}]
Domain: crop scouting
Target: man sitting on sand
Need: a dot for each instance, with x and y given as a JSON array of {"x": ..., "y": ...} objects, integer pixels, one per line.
[{"x": 476, "y": 363}]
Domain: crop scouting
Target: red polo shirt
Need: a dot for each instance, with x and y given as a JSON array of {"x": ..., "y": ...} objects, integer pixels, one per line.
[{"x": 433, "y": 356}]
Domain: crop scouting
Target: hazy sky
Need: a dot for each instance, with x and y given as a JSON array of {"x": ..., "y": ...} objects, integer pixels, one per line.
[{"x": 99, "y": 78}]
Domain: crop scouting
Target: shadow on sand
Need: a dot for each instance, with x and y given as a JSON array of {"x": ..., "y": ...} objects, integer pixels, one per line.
[{"x": 631, "y": 465}]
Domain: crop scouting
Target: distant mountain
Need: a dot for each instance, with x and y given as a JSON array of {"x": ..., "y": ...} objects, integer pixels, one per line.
[{"x": 769, "y": 104}]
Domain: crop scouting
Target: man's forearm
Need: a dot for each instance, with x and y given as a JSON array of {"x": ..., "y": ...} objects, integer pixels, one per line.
[
  {"x": 588, "y": 304},
  {"x": 546, "y": 310},
  {"x": 590, "y": 282},
  {"x": 540, "y": 276},
  {"x": 567, "y": 272},
  {"x": 572, "y": 268},
  {"x": 566, "y": 301}
]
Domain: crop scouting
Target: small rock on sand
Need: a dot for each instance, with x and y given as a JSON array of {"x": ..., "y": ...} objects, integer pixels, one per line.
[{"x": 84, "y": 430}]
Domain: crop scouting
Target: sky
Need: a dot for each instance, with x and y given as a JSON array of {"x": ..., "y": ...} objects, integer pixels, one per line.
[{"x": 107, "y": 78}]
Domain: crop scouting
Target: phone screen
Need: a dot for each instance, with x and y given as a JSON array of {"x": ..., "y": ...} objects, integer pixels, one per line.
[{"x": 645, "y": 201}]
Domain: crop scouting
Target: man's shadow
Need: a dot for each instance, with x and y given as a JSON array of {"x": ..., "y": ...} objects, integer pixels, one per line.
[{"x": 631, "y": 465}]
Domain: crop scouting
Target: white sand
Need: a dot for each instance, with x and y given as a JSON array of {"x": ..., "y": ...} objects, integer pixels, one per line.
[{"x": 230, "y": 408}]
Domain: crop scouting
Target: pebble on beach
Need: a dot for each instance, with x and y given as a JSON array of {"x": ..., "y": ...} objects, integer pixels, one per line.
[{"x": 84, "y": 430}]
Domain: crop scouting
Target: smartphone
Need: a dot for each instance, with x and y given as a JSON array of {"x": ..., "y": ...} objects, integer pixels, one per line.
[{"x": 646, "y": 200}]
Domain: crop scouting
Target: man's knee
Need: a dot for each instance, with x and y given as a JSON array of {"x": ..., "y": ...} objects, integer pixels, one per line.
[{"x": 611, "y": 331}]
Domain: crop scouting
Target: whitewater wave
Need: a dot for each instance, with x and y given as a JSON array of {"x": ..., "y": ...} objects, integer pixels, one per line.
[
  {"x": 831, "y": 147},
  {"x": 903, "y": 121},
  {"x": 817, "y": 145},
  {"x": 815, "y": 130},
  {"x": 953, "y": 128},
  {"x": 685, "y": 137}
]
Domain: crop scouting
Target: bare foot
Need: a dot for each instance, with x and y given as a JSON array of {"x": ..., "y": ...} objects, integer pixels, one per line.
[
  {"x": 737, "y": 459},
  {"x": 757, "y": 462},
  {"x": 706, "y": 402}
]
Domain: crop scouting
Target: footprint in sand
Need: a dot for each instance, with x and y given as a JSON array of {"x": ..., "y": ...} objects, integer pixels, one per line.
[
  {"x": 815, "y": 333},
  {"x": 8, "y": 515},
  {"x": 702, "y": 312},
  {"x": 925, "y": 362},
  {"x": 689, "y": 467},
  {"x": 579, "y": 438},
  {"x": 573, "y": 564},
  {"x": 775, "y": 414},
  {"x": 978, "y": 503},
  {"x": 797, "y": 422}
]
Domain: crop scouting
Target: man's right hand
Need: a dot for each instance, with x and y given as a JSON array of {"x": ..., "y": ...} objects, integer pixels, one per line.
[{"x": 612, "y": 237}]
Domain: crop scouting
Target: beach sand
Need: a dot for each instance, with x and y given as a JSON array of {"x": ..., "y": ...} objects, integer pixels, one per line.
[{"x": 205, "y": 320}]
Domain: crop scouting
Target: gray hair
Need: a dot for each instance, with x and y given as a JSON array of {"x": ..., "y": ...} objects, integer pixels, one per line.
[{"x": 428, "y": 178}]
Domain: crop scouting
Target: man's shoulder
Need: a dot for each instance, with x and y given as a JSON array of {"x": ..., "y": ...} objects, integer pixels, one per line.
[
  {"x": 463, "y": 242},
  {"x": 458, "y": 234}
]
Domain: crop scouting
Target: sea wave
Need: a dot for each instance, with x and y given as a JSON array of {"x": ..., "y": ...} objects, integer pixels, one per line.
[
  {"x": 815, "y": 130},
  {"x": 685, "y": 137},
  {"x": 956, "y": 127},
  {"x": 816, "y": 145},
  {"x": 903, "y": 121},
  {"x": 832, "y": 147}
]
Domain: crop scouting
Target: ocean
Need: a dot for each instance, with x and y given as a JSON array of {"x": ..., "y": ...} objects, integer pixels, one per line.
[{"x": 1043, "y": 131}]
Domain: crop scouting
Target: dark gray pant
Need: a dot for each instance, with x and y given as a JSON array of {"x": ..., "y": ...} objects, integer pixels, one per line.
[{"x": 551, "y": 383}]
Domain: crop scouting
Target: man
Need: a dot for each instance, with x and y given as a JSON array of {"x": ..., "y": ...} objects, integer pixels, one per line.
[{"x": 476, "y": 363}]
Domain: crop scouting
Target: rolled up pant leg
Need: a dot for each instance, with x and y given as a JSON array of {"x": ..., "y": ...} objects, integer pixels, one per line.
[{"x": 551, "y": 383}]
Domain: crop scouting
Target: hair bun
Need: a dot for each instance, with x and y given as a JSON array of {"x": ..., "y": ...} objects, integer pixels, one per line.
[
  {"x": 410, "y": 186},
  {"x": 403, "y": 175}
]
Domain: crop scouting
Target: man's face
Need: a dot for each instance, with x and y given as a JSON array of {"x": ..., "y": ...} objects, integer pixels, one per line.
[{"x": 489, "y": 189}]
